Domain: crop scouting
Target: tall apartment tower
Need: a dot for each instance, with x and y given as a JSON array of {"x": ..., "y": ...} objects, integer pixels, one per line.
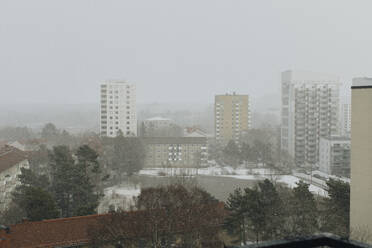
[
  {"x": 310, "y": 110},
  {"x": 361, "y": 159},
  {"x": 232, "y": 117},
  {"x": 118, "y": 109}
]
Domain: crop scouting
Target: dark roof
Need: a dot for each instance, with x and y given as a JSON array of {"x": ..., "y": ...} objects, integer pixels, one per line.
[
  {"x": 10, "y": 156},
  {"x": 64, "y": 232},
  {"x": 77, "y": 231},
  {"x": 174, "y": 140}
]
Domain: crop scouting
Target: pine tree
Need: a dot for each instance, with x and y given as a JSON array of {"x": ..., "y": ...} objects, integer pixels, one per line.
[
  {"x": 337, "y": 208},
  {"x": 272, "y": 207},
  {"x": 128, "y": 155},
  {"x": 33, "y": 197},
  {"x": 71, "y": 180},
  {"x": 37, "y": 203},
  {"x": 304, "y": 213},
  {"x": 236, "y": 221}
]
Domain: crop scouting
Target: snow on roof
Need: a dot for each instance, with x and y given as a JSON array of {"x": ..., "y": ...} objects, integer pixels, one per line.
[{"x": 158, "y": 118}]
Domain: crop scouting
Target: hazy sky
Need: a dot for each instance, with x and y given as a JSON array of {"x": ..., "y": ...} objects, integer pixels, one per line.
[{"x": 59, "y": 51}]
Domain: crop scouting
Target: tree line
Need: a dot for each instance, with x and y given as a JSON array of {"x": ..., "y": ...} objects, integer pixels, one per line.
[
  {"x": 257, "y": 146},
  {"x": 268, "y": 212},
  {"x": 66, "y": 181},
  {"x": 166, "y": 216},
  {"x": 69, "y": 188}
]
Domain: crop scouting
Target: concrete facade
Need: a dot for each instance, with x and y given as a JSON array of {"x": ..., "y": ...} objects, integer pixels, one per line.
[
  {"x": 118, "y": 109},
  {"x": 334, "y": 155},
  {"x": 310, "y": 110},
  {"x": 157, "y": 122},
  {"x": 186, "y": 152},
  {"x": 232, "y": 117},
  {"x": 361, "y": 161}
]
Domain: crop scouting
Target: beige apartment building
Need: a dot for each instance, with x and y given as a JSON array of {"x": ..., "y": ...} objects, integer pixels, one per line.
[
  {"x": 232, "y": 117},
  {"x": 183, "y": 152},
  {"x": 361, "y": 160}
]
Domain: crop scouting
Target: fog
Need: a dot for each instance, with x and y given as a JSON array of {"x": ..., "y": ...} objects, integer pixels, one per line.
[{"x": 57, "y": 52}]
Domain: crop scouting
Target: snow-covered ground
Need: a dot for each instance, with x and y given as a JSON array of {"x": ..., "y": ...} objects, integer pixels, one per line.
[
  {"x": 241, "y": 173},
  {"x": 120, "y": 197},
  {"x": 292, "y": 181},
  {"x": 209, "y": 171},
  {"x": 325, "y": 175}
]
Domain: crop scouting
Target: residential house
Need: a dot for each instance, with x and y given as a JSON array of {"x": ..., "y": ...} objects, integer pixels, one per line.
[{"x": 11, "y": 162}]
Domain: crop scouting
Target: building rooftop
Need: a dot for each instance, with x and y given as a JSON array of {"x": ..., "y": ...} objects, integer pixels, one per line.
[
  {"x": 10, "y": 156},
  {"x": 362, "y": 82},
  {"x": 113, "y": 81},
  {"x": 309, "y": 76},
  {"x": 66, "y": 232},
  {"x": 158, "y": 118},
  {"x": 174, "y": 140}
]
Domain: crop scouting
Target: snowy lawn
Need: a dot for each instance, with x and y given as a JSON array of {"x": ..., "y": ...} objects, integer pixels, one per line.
[{"x": 240, "y": 173}]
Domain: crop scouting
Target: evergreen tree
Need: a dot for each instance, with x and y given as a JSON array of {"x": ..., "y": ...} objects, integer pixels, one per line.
[
  {"x": 255, "y": 213},
  {"x": 272, "y": 207},
  {"x": 71, "y": 183},
  {"x": 62, "y": 172},
  {"x": 337, "y": 208},
  {"x": 37, "y": 203},
  {"x": 33, "y": 198},
  {"x": 304, "y": 213},
  {"x": 127, "y": 155},
  {"x": 236, "y": 220}
]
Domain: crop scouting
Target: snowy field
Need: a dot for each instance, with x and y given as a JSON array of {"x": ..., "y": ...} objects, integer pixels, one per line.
[
  {"x": 240, "y": 173},
  {"x": 122, "y": 196}
]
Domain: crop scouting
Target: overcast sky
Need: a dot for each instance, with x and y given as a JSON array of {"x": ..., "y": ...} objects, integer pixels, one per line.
[{"x": 175, "y": 51}]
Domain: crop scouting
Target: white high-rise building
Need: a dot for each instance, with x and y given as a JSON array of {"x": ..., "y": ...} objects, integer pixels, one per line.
[
  {"x": 118, "y": 109},
  {"x": 310, "y": 110}
]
